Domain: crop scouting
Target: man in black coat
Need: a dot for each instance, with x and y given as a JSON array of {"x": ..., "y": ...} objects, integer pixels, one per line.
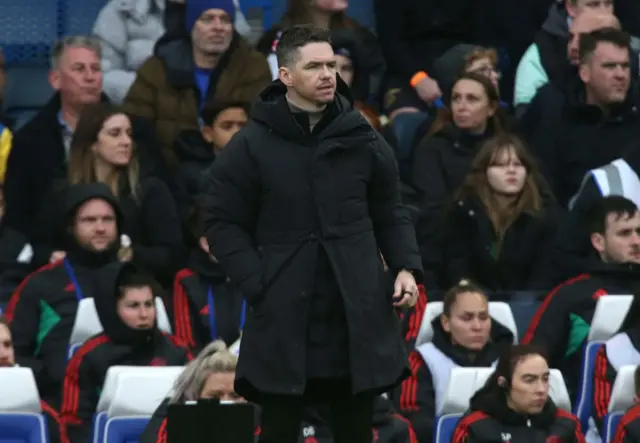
[{"x": 301, "y": 205}]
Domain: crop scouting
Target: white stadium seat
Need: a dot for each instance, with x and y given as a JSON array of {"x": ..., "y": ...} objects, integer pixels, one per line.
[
  {"x": 499, "y": 311},
  {"x": 608, "y": 316},
  {"x": 21, "y": 419},
  {"x": 623, "y": 391}
]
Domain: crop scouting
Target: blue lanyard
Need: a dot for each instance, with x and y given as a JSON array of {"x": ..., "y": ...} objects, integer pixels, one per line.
[
  {"x": 72, "y": 277},
  {"x": 212, "y": 314}
]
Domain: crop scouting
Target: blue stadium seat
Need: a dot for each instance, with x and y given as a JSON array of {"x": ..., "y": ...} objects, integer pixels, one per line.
[
  {"x": 523, "y": 306},
  {"x": 499, "y": 312},
  {"x": 78, "y": 16},
  {"x": 266, "y": 7},
  {"x": 583, "y": 402},
  {"x": 21, "y": 420},
  {"x": 404, "y": 128},
  {"x": 622, "y": 398},
  {"x": 464, "y": 382},
  {"x": 136, "y": 398},
  {"x": 26, "y": 91},
  {"x": 27, "y": 29}
]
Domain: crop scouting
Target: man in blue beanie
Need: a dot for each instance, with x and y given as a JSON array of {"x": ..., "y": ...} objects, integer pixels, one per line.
[{"x": 210, "y": 63}]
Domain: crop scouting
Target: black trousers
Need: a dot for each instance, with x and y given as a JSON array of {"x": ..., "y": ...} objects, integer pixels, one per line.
[{"x": 350, "y": 415}]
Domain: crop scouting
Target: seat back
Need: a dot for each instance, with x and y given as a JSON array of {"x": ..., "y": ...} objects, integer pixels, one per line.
[
  {"x": 26, "y": 91},
  {"x": 77, "y": 17},
  {"x": 499, "y": 311},
  {"x": 20, "y": 416},
  {"x": 608, "y": 316},
  {"x": 624, "y": 389},
  {"x": 582, "y": 403},
  {"x": 27, "y": 29},
  {"x": 139, "y": 395},
  {"x": 264, "y": 6}
]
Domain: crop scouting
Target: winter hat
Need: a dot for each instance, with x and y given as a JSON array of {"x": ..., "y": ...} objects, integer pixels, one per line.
[{"x": 195, "y": 8}]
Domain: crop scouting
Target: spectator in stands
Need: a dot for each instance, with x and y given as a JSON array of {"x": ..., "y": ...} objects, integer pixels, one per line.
[
  {"x": 620, "y": 177},
  {"x": 414, "y": 34},
  {"x": 131, "y": 337},
  {"x": 546, "y": 58},
  {"x": 127, "y": 30},
  {"x": 206, "y": 305},
  {"x": 463, "y": 336},
  {"x": 196, "y": 149},
  {"x": 330, "y": 14},
  {"x": 600, "y": 118},
  {"x": 500, "y": 228},
  {"x": 212, "y": 64},
  {"x": 444, "y": 157},
  {"x": 548, "y": 101},
  {"x": 7, "y": 353},
  {"x": 515, "y": 401},
  {"x": 628, "y": 431},
  {"x": 622, "y": 349},
  {"x": 42, "y": 310},
  {"x": 102, "y": 150},
  {"x": 41, "y": 148},
  {"x": 561, "y": 324}
]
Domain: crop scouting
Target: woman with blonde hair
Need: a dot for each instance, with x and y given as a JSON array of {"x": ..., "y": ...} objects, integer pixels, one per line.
[
  {"x": 501, "y": 224},
  {"x": 209, "y": 376},
  {"x": 102, "y": 150}
]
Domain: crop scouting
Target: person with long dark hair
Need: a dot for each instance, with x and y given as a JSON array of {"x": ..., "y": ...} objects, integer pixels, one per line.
[
  {"x": 500, "y": 227},
  {"x": 515, "y": 401},
  {"x": 464, "y": 335}
]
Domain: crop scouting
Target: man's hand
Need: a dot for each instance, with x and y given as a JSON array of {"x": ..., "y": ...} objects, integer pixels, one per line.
[
  {"x": 428, "y": 90},
  {"x": 405, "y": 291}
]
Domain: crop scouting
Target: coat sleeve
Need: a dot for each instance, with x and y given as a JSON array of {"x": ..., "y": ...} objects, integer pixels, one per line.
[
  {"x": 19, "y": 199},
  {"x": 551, "y": 323},
  {"x": 231, "y": 211},
  {"x": 603, "y": 377},
  {"x": 578, "y": 435},
  {"x": 184, "y": 315},
  {"x": 629, "y": 426},
  {"x": 79, "y": 396},
  {"x": 415, "y": 398},
  {"x": 23, "y": 314},
  {"x": 394, "y": 231},
  {"x": 412, "y": 319},
  {"x": 161, "y": 228},
  {"x": 464, "y": 432}
]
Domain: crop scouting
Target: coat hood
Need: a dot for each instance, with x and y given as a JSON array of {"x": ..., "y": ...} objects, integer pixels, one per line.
[
  {"x": 76, "y": 196},
  {"x": 106, "y": 298},
  {"x": 500, "y": 339},
  {"x": 340, "y": 120},
  {"x": 191, "y": 146},
  {"x": 557, "y": 23}
]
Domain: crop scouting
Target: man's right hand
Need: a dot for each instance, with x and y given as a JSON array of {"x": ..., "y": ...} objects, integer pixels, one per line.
[{"x": 428, "y": 90}]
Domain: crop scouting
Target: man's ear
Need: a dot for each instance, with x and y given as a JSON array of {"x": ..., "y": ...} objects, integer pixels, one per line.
[
  {"x": 284, "y": 74},
  {"x": 598, "y": 242}
]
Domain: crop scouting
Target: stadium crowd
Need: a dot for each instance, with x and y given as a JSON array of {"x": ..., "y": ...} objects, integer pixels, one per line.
[{"x": 516, "y": 131}]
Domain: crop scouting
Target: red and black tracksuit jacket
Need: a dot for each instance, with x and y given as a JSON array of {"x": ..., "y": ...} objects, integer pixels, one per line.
[
  {"x": 389, "y": 427},
  {"x": 564, "y": 316},
  {"x": 87, "y": 369},
  {"x": 41, "y": 314},
  {"x": 415, "y": 398},
  {"x": 411, "y": 319},
  {"x": 629, "y": 427},
  {"x": 193, "y": 294},
  {"x": 478, "y": 427}
]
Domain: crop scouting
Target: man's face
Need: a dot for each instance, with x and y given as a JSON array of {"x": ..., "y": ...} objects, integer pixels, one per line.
[
  {"x": 225, "y": 125},
  {"x": 78, "y": 77},
  {"x": 313, "y": 75},
  {"x": 607, "y": 74},
  {"x": 95, "y": 226},
  {"x": 584, "y": 24},
  {"x": 7, "y": 355},
  {"x": 621, "y": 240},
  {"x": 212, "y": 32},
  {"x": 577, "y": 7}
]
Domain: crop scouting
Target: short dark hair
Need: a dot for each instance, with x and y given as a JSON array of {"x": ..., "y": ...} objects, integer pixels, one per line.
[
  {"x": 4, "y": 321},
  {"x": 462, "y": 287},
  {"x": 590, "y": 40},
  {"x": 600, "y": 210},
  {"x": 294, "y": 38},
  {"x": 211, "y": 110},
  {"x": 132, "y": 277}
]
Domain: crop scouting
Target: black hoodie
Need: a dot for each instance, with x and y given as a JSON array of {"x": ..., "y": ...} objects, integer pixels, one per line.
[
  {"x": 194, "y": 289},
  {"x": 42, "y": 310},
  {"x": 561, "y": 323},
  {"x": 490, "y": 419},
  {"x": 416, "y": 397},
  {"x": 117, "y": 345}
]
